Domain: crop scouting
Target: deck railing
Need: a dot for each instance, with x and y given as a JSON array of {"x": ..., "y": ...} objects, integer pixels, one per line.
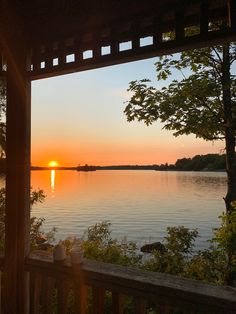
[{"x": 95, "y": 287}]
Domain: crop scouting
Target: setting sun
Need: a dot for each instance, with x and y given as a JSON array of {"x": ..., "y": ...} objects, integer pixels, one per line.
[{"x": 53, "y": 163}]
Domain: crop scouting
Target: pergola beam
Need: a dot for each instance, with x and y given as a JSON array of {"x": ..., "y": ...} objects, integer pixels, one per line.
[{"x": 62, "y": 50}]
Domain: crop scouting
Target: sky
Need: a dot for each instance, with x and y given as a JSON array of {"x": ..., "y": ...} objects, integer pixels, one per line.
[{"x": 78, "y": 119}]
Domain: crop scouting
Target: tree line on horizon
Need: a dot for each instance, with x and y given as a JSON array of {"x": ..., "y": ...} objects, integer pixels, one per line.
[{"x": 208, "y": 162}]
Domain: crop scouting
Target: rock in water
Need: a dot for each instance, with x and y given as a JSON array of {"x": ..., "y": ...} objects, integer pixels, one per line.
[{"x": 155, "y": 246}]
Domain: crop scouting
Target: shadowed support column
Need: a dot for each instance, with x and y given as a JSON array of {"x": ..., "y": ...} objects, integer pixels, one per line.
[{"x": 17, "y": 221}]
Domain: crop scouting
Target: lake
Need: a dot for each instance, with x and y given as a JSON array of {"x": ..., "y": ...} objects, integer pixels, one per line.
[{"x": 140, "y": 204}]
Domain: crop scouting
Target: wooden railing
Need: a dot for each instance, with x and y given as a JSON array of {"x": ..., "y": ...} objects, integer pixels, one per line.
[{"x": 95, "y": 287}]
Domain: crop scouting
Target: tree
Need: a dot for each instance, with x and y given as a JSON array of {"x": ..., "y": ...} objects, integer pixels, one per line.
[{"x": 202, "y": 103}]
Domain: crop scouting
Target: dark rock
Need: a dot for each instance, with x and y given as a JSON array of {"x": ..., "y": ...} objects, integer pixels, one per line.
[{"x": 156, "y": 246}]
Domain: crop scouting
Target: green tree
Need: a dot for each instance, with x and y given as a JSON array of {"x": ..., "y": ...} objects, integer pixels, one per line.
[{"x": 202, "y": 103}]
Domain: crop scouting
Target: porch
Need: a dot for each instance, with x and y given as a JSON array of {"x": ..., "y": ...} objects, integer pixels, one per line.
[{"x": 40, "y": 39}]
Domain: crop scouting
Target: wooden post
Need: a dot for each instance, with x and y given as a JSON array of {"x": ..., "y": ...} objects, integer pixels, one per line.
[
  {"x": 17, "y": 186},
  {"x": 17, "y": 221}
]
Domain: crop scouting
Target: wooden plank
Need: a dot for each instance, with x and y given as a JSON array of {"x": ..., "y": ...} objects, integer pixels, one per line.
[
  {"x": 140, "y": 305},
  {"x": 81, "y": 298},
  {"x": 165, "y": 308},
  {"x": 158, "y": 28},
  {"x": 80, "y": 289},
  {"x": 179, "y": 23},
  {"x": 47, "y": 293},
  {"x": 118, "y": 303},
  {"x": 98, "y": 300},
  {"x": 232, "y": 14},
  {"x": 35, "y": 290},
  {"x": 204, "y": 18},
  {"x": 62, "y": 296}
]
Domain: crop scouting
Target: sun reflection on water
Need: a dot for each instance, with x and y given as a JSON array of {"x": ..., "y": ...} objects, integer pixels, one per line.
[{"x": 53, "y": 174}]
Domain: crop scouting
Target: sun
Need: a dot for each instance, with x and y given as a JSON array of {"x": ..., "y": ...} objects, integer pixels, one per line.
[{"x": 53, "y": 163}]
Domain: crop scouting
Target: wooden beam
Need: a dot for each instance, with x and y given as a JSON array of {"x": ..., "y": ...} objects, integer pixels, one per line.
[
  {"x": 116, "y": 57},
  {"x": 17, "y": 219}
]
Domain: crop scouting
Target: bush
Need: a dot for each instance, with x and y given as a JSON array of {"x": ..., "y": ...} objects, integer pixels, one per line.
[{"x": 36, "y": 233}]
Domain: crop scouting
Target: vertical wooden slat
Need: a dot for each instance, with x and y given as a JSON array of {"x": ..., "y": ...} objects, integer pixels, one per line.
[
  {"x": 135, "y": 36},
  {"x": 204, "y": 21},
  {"x": 81, "y": 298},
  {"x": 62, "y": 296},
  {"x": 47, "y": 294},
  {"x": 114, "y": 43},
  {"x": 80, "y": 290},
  {"x": 232, "y": 14},
  {"x": 179, "y": 23},
  {"x": 35, "y": 59},
  {"x": 96, "y": 48},
  {"x": 77, "y": 47},
  {"x": 35, "y": 290},
  {"x": 118, "y": 303},
  {"x": 157, "y": 36},
  {"x": 61, "y": 54},
  {"x": 48, "y": 57},
  {"x": 140, "y": 306},
  {"x": 165, "y": 309},
  {"x": 98, "y": 295}
]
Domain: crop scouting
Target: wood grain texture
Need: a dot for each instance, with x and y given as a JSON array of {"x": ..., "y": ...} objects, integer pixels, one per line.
[{"x": 157, "y": 288}]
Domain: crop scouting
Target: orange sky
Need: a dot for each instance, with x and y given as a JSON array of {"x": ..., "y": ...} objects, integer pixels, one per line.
[{"x": 78, "y": 119}]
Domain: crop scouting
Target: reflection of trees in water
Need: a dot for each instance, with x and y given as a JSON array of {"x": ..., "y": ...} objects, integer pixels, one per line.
[{"x": 202, "y": 180}]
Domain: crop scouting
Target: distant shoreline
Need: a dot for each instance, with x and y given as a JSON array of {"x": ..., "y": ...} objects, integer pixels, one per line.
[
  {"x": 141, "y": 167},
  {"x": 207, "y": 163}
]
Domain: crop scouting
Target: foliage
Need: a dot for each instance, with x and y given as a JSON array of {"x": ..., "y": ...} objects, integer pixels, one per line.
[
  {"x": 202, "y": 103},
  {"x": 179, "y": 244},
  {"x": 178, "y": 258},
  {"x": 36, "y": 233},
  {"x": 210, "y": 162},
  {"x": 192, "y": 105},
  {"x": 98, "y": 244},
  {"x": 201, "y": 162}
]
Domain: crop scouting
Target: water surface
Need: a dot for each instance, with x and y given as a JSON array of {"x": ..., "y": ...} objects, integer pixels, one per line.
[{"x": 139, "y": 204}]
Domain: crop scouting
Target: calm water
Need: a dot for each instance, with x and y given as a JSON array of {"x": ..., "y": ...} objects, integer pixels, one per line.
[{"x": 139, "y": 204}]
